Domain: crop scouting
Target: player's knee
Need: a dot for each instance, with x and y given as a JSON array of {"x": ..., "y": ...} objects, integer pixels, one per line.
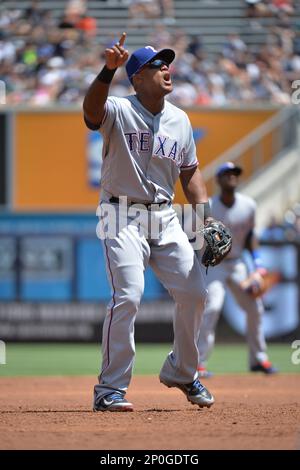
[
  {"x": 195, "y": 296},
  {"x": 133, "y": 303},
  {"x": 132, "y": 298}
]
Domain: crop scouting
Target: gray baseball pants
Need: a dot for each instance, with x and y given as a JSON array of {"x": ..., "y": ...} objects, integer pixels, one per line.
[{"x": 172, "y": 258}]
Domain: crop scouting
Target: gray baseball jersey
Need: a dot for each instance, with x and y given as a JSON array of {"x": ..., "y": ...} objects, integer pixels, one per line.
[
  {"x": 240, "y": 219},
  {"x": 143, "y": 154}
]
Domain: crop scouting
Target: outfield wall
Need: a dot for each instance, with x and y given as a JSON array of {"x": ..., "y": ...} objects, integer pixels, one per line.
[
  {"x": 50, "y": 161},
  {"x": 53, "y": 284}
]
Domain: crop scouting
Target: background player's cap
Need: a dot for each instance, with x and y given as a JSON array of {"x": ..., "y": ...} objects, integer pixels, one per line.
[
  {"x": 228, "y": 166},
  {"x": 143, "y": 55}
]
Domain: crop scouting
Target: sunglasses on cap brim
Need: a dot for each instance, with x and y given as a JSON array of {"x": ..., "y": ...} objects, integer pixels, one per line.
[{"x": 156, "y": 63}]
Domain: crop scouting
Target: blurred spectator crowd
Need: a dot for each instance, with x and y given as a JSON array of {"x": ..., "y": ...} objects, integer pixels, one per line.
[
  {"x": 269, "y": 7},
  {"x": 45, "y": 61}
]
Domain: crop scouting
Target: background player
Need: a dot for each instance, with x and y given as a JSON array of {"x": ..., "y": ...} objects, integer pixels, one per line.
[
  {"x": 237, "y": 212},
  {"x": 148, "y": 144}
]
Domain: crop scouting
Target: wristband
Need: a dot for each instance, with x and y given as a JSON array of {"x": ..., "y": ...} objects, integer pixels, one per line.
[
  {"x": 106, "y": 75},
  {"x": 257, "y": 259}
]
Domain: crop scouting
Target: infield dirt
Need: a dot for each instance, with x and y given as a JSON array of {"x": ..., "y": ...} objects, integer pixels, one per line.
[{"x": 251, "y": 412}]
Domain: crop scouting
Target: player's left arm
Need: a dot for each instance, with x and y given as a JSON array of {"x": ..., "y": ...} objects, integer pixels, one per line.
[
  {"x": 194, "y": 188},
  {"x": 217, "y": 236}
]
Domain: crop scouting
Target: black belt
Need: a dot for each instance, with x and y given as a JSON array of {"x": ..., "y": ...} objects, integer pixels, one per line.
[{"x": 148, "y": 205}]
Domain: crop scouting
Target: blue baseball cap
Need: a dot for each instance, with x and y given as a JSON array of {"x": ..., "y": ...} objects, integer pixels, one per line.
[
  {"x": 144, "y": 55},
  {"x": 228, "y": 166}
]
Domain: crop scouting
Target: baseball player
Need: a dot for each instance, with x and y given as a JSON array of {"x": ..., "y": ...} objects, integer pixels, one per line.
[
  {"x": 237, "y": 212},
  {"x": 148, "y": 144}
]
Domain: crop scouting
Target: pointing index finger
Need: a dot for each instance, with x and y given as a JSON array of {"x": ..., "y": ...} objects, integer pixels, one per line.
[{"x": 122, "y": 39}]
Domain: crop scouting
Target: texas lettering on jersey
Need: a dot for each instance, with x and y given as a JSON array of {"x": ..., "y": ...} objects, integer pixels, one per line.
[
  {"x": 163, "y": 146},
  {"x": 144, "y": 154}
]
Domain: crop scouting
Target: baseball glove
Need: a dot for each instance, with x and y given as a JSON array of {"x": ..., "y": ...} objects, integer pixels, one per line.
[
  {"x": 218, "y": 243},
  {"x": 259, "y": 282}
]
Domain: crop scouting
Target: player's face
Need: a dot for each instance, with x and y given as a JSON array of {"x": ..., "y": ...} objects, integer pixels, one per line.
[
  {"x": 156, "y": 76},
  {"x": 228, "y": 180}
]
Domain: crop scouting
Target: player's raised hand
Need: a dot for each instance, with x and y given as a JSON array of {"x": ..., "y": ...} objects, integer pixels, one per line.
[{"x": 117, "y": 55}]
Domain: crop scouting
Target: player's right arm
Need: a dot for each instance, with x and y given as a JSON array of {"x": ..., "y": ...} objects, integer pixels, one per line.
[{"x": 96, "y": 96}]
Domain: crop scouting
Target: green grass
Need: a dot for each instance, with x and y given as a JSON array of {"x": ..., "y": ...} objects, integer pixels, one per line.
[{"x": 84, "y": 359}]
